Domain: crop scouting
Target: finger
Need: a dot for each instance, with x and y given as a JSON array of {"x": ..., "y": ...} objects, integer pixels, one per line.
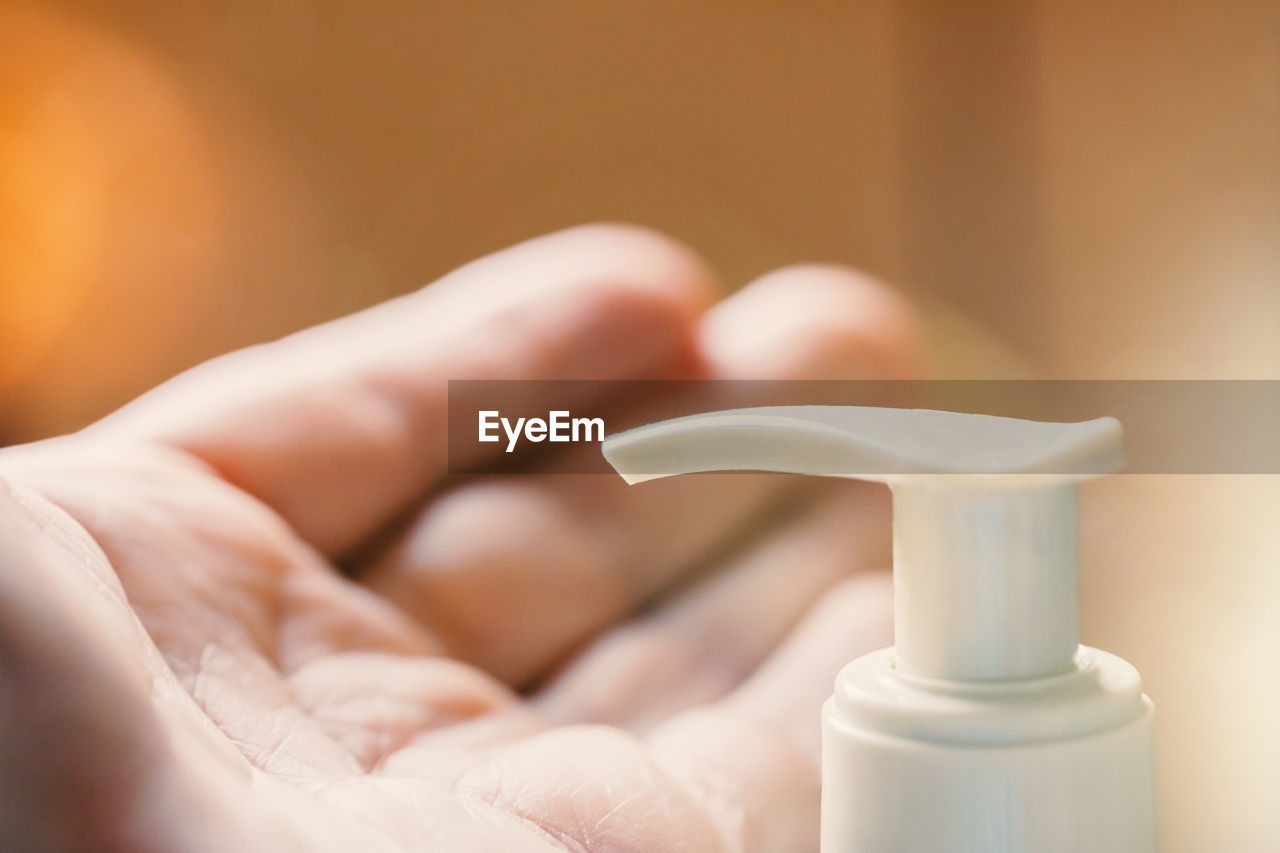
[
  {"x": 340, "y": 427},
  {"x": 753, "y": 758},
  {"x": 813, "y": 321},
  {"x": 514, "y": 572},
  {"x": 699, "y": 643},
  {"x": 853, "y": 618}
]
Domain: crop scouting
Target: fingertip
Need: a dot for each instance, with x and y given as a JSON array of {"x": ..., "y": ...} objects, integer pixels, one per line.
[
  {"x": 654, "y": 257},
  {"x": 632, "y": 261},
  {"x": 632, "y": 296},
  {"x": 814, "y": 321},
  {"x": 649, "y": 277}
]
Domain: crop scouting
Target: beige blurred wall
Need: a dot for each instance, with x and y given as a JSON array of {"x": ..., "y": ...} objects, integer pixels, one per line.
[
  {"x": 1083, "y": 189},
  {"x": 1090, "y": 185}
]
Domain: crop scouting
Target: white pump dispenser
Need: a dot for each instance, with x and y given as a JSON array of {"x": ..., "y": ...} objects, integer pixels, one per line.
[{"x": 986, "y": 728}]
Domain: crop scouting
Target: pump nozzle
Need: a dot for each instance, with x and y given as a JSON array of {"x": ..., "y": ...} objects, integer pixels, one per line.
[
  {"x": 864, "y": 442},
  {"x": 984, "y": 515}
]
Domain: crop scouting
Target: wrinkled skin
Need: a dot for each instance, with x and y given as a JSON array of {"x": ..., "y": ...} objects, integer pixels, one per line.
[{"x": 507, "y": 663}]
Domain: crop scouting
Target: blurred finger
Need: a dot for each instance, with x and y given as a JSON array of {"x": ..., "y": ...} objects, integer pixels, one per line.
[
  {"x": 813, "y": 321},
  {"x": 788, "y": 689},
  {"x": 752, "y": 759},
  {"x": 701, "y": 642},
  {"x": 340, "y": 427}
]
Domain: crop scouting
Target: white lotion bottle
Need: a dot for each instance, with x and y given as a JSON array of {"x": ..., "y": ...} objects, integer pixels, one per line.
[{"x": 986, "y": 728}]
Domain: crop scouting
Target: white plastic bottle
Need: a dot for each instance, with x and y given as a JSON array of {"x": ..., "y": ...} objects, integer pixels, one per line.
[{"x": 986, "y": 728}]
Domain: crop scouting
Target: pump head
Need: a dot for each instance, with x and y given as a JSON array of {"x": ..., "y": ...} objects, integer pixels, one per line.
[{"x": 984, "y": 515}]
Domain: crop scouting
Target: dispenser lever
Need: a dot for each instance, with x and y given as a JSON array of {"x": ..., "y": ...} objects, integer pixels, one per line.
[{"x": 864, "y": 442}]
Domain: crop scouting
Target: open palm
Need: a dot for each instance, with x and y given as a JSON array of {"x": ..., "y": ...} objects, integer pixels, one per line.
[{"x": 249, "y": 611}]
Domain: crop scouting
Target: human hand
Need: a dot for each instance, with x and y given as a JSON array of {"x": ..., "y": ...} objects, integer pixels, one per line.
[{"x": 510, "y": 663}]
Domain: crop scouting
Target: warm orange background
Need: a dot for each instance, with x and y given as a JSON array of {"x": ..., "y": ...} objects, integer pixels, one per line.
[{"x": 1082, "y": 189}]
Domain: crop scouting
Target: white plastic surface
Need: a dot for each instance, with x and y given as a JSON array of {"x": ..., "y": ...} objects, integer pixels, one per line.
[
  {"x": 866, "y": 443},
  {"x": 987, "y": 728}
]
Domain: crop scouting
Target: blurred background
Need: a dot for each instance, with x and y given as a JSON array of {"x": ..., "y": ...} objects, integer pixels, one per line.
[{"x": 1068, "y": 189}]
